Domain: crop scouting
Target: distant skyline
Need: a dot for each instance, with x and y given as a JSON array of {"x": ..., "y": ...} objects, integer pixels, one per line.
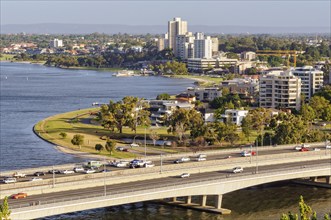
[{"x": 243, "y": 13}]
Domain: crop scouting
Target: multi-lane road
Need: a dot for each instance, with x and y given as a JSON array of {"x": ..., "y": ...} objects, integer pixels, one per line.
[{"x": 155, "y": 183}]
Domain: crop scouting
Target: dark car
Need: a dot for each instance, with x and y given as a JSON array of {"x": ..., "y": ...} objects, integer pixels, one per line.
[
  {"x": 54, "y": 171},
  {"x": 178, "y": 161},
  {"x": 39, "y": 174}
]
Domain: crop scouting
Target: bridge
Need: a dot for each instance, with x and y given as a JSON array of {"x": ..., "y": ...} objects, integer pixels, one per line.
[{"x": 209, "y": 178}]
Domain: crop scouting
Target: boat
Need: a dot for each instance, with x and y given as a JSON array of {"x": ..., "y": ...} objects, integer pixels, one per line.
[{"x": 124, "y": 73}]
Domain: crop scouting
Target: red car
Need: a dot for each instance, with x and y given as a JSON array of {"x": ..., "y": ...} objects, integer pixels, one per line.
[
  {"x": 19, "y": 196},
  {"x": 304, "y": 149},
  {"x": 253, "y": 153}
]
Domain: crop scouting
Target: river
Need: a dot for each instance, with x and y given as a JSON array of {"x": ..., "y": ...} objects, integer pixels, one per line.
[{"x": 32, "y": 92}]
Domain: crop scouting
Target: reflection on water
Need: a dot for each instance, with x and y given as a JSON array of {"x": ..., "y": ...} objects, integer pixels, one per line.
[{"x": 265, "y": 202}]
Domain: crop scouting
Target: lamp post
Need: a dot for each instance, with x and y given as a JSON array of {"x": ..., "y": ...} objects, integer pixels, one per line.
[
  {"x": 53, "y": 172},
  {"x": 104, "y": 180},
  {"x": 145, "y": 143}
]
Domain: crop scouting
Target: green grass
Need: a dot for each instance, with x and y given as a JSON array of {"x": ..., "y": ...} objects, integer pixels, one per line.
[
  {"x": 208, "y": 79},
  {"x": 6, "y": 57}
]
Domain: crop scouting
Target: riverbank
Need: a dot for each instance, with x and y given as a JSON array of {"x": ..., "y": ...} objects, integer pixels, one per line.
[{"x": 202, "y": 80}]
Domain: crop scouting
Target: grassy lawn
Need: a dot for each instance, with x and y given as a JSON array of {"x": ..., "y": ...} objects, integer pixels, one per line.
[
  {"x": 50, "y": 129},
  {"x": 207, "y": 79},
  {"x": 5, "y": 57}
]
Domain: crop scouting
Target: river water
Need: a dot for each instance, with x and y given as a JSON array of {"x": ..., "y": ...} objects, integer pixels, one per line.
[{"x": 30, "y": 93}]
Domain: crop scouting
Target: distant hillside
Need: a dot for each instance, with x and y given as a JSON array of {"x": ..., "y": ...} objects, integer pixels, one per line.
[{"x": 54, "y": 28}]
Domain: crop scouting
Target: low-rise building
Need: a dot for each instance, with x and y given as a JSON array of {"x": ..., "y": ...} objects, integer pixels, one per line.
[
  {"x": 234, "y": 116},
  {"x": 205, "y": 94},
  {"x": 242, "y": 86},
  {"x": 200, "y": 64}
]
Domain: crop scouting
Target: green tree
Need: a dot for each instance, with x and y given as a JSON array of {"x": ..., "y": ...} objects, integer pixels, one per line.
[
  {"x": 63, "y": 135},
  {"x": 318, "y": 103},
  {"x": 98, "y": 147},
  {"x": 247, "y": 126},
  {"x": 306, "y": 213},
  {"x": 4, "y": 210},
  {"x": 307, "y": 113},
  {"x": 163, "y": 96},
  {"x": 110, "y": 146},
  {"x": 78, "y": 140}
]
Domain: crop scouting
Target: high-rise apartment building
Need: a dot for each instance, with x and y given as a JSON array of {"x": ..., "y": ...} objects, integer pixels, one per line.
[
  {"x": 202, "y": 46},
  {"x": 185, "y": 46},
  {"x": 56, "y": 43},
  {"x": 280, "y": 90},
  {"x": 214, "y": 41},
  {"x": 163, "y": 42},
  {"x": 176, "y": 27},
  {"x": 311, "y": 80}
]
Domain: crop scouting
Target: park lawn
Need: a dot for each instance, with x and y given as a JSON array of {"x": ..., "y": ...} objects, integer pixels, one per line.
[
  {"x": 207, "y": 79},
  {"x": 6, "y": 57}
]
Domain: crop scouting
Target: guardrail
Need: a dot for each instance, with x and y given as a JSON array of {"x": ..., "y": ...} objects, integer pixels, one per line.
[{"x": 173, "y": 186}]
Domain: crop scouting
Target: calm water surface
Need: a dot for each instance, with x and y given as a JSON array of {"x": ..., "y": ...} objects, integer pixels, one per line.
[{"x": 30, "y": 93}]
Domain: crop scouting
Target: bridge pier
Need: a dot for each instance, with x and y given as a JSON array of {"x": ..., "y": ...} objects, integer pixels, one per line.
[
  {"x": 189, "y": 200},
  {"x": 328, "y": 179},
  {"x": 174, "y": 199},
  {"x": 204, "y": 200},
  {"x": 218, "y": 201},
  {"x": 313, "y": 179}
]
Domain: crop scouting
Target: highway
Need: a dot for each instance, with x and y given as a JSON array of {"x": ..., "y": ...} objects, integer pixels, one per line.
[
  {"x": 158, "y": 182},
  {"x": 220, "y": 156}
]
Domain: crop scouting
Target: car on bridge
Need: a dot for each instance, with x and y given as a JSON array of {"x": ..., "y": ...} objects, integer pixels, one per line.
[
  {"x": 9, "y": 180},
  {"x": 34, "y": 179},
  {"x": 67, "y": 171},
  {"x": 54, "y": 171},
  {"x": 134, "y": 145},
  {"x": 19, "y": 175},
  {"x": 185, "y": 175},
  {"x": 303, "y": 149},
  {"x": 237, "y": 170},
  {"x": 88, "y": 171},
  {"x": 78, "y": 169},
  {"x": 19, "y": 195},
  {"x": 328, "y": 146},
  {"x": 39, "y": 173}
]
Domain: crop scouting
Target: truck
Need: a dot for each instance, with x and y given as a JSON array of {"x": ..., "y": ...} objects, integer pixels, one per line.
[{"x": 19, "y": 175}]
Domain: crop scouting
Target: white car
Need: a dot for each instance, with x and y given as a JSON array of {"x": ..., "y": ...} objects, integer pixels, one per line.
[
  {"x": 185, "y": 159},
  {"x": 328, "y": 146},
  {"x": 201, "y": 159},
  {"x": 149, "y": 165},
  {"x": 36, "y": 179},
  {"x": 9, "y": 180},
  {"x": 245, "y": 154},
  {"x": 185, "y": 175},
  {"x": 297, "y": 147},
  {"x": 78, "y": 169},
  {"x": 67, "y": 171},
  {"x": 317, "y": 149},
  {"x": 89, "y": 171},
  {"x": 134, "y": 145},
  {"x": 237, "y": 170},
  {"x": 122, "y": 164},
  {"x": 19, "y": 175}
]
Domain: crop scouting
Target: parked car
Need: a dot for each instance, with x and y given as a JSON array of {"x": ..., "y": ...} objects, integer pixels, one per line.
[
  {"x": 185, "y": 175},
  {"x": 78, "y": 169},
  {"x": 134, "y": 145},
  {"x": 89, "y": 171},
  {"x": 19, "y": 196},
  {"x": 19, "y": 175},
  {"x": 10, "y": 180},
  {"x": 36, "y": 179},
  {"x": 39, "y": 174},
  {"x": 67, "y": 171},
  {"x": 237, "y": 170},
  {"x": 304, "y": 149}
]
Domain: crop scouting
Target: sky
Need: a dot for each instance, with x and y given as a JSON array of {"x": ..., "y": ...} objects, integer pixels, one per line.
[{"x": 218, "y": 12}]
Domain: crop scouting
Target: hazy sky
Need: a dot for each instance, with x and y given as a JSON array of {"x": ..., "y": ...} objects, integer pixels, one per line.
[{"x": 217, "y": 12}]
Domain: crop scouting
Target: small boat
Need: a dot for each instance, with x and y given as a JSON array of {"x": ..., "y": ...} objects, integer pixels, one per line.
[{"x": 124, "y": 73}]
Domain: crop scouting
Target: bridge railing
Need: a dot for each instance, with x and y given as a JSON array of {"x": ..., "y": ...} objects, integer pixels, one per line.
[{"x": 189, "y": 183}]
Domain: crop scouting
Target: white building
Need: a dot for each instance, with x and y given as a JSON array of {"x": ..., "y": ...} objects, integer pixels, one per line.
[
  {"x": 248, "y": 55},
  {"x": 163, "y": 42},
  {"x": 280, "y": 89},
  {"x": 205, "y": 94},
  {"x": 311, "y": 80},
  {"x": 202, "y": 46},
  {"x": 234, "y": 116},
  {"x": 175, "y": 27},
  {"x": 184, "y": 46},
  {"x": 199, "y": 64},
  {"x": 56, "y": 43}
]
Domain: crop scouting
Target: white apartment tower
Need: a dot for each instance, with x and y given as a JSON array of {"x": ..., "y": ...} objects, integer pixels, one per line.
[
  {"x": 202, "y": 46},
  {"x": 163, "y": 42},
  {"x": 176, "y": 27},
  {"x": 280, "y": 90},
  {"x": 56, "y": 43},
  {"x": 311, "y": 80},
  {"x": 184, "y": 46}
]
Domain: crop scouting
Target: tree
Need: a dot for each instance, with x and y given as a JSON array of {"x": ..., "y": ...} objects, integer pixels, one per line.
[
  {"x": 318, "y": 103},
  {"x": 163, "y": 96},
  {"x": 154, "y": 136},
  {"x": 98, "y": 147},
  {"x": 247, "y": 126},
  {"x": 110, "y": 146},
  {"x": 78, "y": 140},
  {"x": 4, "y": 209},
  {"x": 307, "y": 113},
  {"x": 63, "y": 135}
]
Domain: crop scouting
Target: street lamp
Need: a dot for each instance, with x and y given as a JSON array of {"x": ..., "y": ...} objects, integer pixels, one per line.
[
  {"x": 104, "y": 179},
  {"x": 53, "y": 172},
  {"x": 145, "y": 143}
]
